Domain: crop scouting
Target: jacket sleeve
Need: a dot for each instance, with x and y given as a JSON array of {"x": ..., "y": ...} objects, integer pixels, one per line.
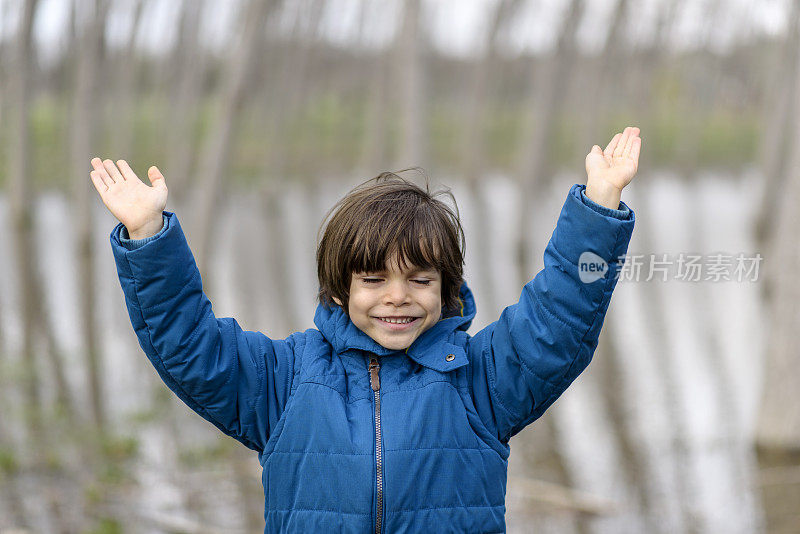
[
  {"x": 524, "y": 361},
  {"x": 237, "y": 380}
]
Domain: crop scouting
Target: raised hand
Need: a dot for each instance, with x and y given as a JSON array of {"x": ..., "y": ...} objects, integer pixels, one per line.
[
  {"x": 135, "y": 204},
  {"x": 610, "y": 170},
  {"x": 618, "y": 163}
]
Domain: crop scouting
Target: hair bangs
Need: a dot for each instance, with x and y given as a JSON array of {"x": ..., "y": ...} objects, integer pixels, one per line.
[
  {"x": 388, "y": 219},
  {"x": 390, "y": 235}
]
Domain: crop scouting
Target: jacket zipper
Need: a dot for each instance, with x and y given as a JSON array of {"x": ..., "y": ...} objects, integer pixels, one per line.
[{"x": 375, "y": 383}]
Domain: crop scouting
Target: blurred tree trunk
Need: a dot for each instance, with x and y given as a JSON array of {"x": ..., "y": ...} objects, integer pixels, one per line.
[
  {"x": 778, "y": 111},
  {"x": 650, "y": 60},
  {"x": 185, "y": 108},
  {"x": 123, "y": 88},
  {"x": 687, "y": 150},
  {"x": 473, "y": 154},
  {"x": 373, "y": 157},
  {"x": 288, "y": 86},
  {"x": 82, "y": 144},
  {"x": 778, "y": 429},
  {"x": 22, "y": 219},
  {"x": 599, "y": 82},
  {"x": 10, "y": 493},
  {"x": 3, "y": 59},
  {"x": 216, "y": 151},
  {"x": 21, "y": 206},
  {"x": 710, "y": 80},
  {"x": 410, "y": 78},
  {"x": 646, "y": 66},
  {"x": 251, "y": 492},
  {"x": 278, "y": 241},
  {"x": 547, "y": 84},
  {"x": 655, "y": 316},
  {"x": 608, "y": 363}
]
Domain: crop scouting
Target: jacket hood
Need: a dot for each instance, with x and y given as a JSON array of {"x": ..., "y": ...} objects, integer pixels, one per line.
[{"x": 337, "y": 328}]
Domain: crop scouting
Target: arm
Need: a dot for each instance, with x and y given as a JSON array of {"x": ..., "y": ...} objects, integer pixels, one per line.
[
  {"x": 237, "y": 380},
  {"x": 524, "y": 361}
]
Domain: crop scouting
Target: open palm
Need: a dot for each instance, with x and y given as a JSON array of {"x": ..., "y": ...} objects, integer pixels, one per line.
[
  {"x": 135, "y": 204},
  {"x": 618, "y": 163}
]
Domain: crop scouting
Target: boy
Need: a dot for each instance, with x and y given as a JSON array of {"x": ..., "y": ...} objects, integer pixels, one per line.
[{"x": 388, "y": 417}]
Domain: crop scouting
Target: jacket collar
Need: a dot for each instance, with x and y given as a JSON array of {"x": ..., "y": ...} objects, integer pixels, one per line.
[{"x": 431, "y": 349}]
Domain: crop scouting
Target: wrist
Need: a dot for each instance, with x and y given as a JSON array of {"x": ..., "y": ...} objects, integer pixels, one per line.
[
  {"x": 146, "y": 230},
  {"x": 604, "y": 194}
]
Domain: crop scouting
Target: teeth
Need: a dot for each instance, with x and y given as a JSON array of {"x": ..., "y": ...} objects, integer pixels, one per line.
[{"x": 397, "y": 320}]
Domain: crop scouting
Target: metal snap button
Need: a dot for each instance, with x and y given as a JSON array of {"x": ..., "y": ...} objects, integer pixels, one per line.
[{"x": 450, "y": 357}]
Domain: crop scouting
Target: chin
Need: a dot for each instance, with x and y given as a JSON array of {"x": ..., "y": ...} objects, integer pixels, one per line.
[{"x": 397, "y": 345}]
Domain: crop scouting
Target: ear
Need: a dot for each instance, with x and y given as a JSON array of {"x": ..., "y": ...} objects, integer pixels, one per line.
[{"x": 337, "y": 301}]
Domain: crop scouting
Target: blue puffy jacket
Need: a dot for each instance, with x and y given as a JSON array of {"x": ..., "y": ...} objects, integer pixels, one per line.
[{"x": 354, "y": 437}]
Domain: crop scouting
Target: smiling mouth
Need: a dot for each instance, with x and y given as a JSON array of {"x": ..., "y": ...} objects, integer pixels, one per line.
[{"x": 397, "y": 320}]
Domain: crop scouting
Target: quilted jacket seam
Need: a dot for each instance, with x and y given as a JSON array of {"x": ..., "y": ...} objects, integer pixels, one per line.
[
  {"x": 557, "y": 384},
  {"x": 482, "y": 449},
  {"x": 262, "y": 371},
  {"x": 326, "y": 453},
  {"x": 405, "y": 510},
  {"x": 324, "y": 510},
  {"x": 493, "y": 378},
  {"x": 171, "y": 297},
  {"x": 387, "y": 391},
  {"x": 549, "y": 312},
  {"x": 331, "y": 388},
  {"x": 555, "y": 247},
  {"x": 296, "y": 366}
]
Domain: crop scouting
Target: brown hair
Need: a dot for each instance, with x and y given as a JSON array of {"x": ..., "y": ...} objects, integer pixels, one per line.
[{"x": 383, "y": 216}]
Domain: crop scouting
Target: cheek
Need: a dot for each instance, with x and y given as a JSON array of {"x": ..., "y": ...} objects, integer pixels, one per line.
[
  {"x": 434, "y": 302},
  {"x": 358, "y": 302}
]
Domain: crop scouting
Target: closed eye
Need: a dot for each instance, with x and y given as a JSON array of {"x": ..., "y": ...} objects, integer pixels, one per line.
[
  {"x": 371, "y": 280},
  {"x": 423, "y": 282}
]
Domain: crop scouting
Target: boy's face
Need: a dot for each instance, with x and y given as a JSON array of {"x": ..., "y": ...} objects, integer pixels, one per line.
[{"x": 395, "y": 306}]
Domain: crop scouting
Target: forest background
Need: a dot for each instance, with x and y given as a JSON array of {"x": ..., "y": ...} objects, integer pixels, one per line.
[{"x": 261, "y": 113}]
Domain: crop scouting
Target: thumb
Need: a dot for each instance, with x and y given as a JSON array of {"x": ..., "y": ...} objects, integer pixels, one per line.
[
  {"x": 597, "y": 149},
  {"x": 156, "y": 178}
]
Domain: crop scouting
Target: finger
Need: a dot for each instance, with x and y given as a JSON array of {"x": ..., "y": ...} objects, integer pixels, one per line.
[
  {"x": 635, "y": 149},
  {"x": 100, "y": 168},
  {"x": 626, "y": 152},
  {"x": 112, "y": 170},
  {"x": 612, "y": 145},
  {"x": 98, "y": 182},
  {"x": 126, "y": 170},
  {"x": 623, "y": 141},
  {"x": 156, "y": 178}
]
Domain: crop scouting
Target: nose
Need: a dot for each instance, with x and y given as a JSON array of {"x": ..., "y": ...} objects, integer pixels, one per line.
[{"x": 396, "y": 293}]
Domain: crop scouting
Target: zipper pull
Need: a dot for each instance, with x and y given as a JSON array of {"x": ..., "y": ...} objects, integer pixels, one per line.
[{"x": 374, "y": 380}]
